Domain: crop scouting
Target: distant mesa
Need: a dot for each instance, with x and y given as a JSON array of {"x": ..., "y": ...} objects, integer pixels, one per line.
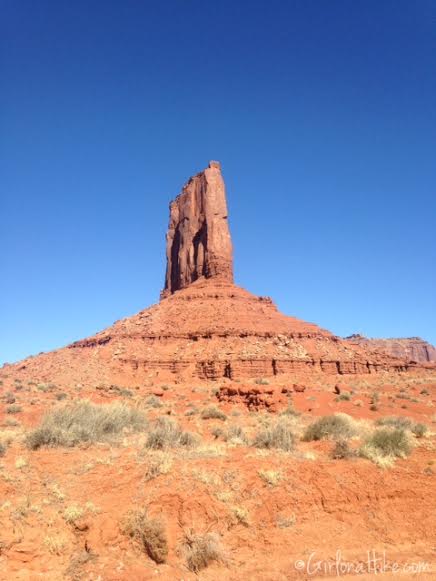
[{"x": 408, "y": 348}]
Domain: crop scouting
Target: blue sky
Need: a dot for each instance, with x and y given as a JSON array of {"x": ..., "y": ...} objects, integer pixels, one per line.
[{"x": 322, "y": 113}]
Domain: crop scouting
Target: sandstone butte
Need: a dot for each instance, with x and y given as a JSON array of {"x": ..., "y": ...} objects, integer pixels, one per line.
[
  {"x": 207, "y": 327},
  {"x": 211, "y": 359}
]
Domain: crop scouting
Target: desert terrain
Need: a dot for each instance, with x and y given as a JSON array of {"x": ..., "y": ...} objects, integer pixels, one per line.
[{"x": 212, "y": 437}]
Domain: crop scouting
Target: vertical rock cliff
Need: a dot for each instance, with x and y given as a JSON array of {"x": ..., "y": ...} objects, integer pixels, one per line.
[{"x": 198, "y": 242}]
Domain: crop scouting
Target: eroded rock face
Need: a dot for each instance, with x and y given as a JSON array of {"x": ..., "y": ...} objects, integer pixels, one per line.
[
  {"x": 410, "y": 349},
  {"x": 198, "y": 237}
]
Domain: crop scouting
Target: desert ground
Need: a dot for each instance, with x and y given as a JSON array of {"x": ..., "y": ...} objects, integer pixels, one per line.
[{"x": 179, "y": 484}]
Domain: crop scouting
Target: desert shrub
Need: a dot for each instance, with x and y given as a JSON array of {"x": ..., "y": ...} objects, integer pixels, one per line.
[
  {"x": 45, "y": 387},
  {"x": 280, "y": 435},
  {"x": 402, "y": 423},
  {"x": 61, "y": 396},
  {"x": 202, "y": 550},
  {"x": 14, "y": 409},
  {"x": 150, "y": 533},
  {"x": 342, "y": 450},
  {"x": 3, "y": 448},
  {"x": 153, "y": 402},
  {"x": 231, "y": 434},
  {"x": 213, "y": 413},
  {"x": 271, "y": 477},
  {"x": 344, "y": 397},
  {"x": 419, "y": 430},
  {"x": 338, "y": 426},
  {"x": 388, "y": 442},
  {"x": 158, "y": 463},
  {"x": 166, "y": 433},
  {"x": 261, "y": 381},
  {"x": 84, "y": 422},
  {"x": 10, "y": 398}
]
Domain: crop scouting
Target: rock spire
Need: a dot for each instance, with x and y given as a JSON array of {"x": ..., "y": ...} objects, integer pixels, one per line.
[{"x": 198, "y": 242}]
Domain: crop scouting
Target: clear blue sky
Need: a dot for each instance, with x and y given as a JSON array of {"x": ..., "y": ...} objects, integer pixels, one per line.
[{"x": 323, "y": 115}]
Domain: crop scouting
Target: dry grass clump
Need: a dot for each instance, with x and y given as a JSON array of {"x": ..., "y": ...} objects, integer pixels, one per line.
[
  {"x": 150, "y": 533},
  {"x": 337, "y": 426},
  {"x": 342, "y": 450},
  {"x": 201, "y": 550},
  {"x": 14, "y": 409},
  {"x": 385, "y": 445},
  {"x": 166, "y": 433},
  {"x": 280, "y": 436},
  {"x": 153, "y": 402},
  {"x": 213, "y": 413},
  {"x": 158, "y": 463},
  {"x": 403, "y": 423},
  {"x": 84, "y": 422},
  {"x": 234, "y": 434},
  {"x": 271, "y": 477}
]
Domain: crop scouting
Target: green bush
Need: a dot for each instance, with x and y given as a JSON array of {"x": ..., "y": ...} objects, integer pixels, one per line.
[
  {"x": 403, "y": 423},
  {"x": 398, "y": 422},
  {"x": 338, "y": 426},
  {"x": 388, "y": 442},
  {"x": 84, "y": 422},
  {"x": 279, "y": 436}
]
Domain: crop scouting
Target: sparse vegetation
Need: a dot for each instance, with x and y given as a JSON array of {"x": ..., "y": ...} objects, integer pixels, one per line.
[
  {"x": 201, "y": 550},
  {"x": 158, "y": 463},
  {"x": 166, "y": 433},
  {"x": 242, "y": 515},
  {"x": 84, "y": 422},
  {"x": 344, "y": 397},
  {"x": 14, "y": 409},
  {"x": 387, "y": 444},
  {"x": 55, "y": 544},
  {"x": 280, "y": 435},
  {"x": 73, "y": 513},
  {"x": 153, "y": 402},
  {"x": 419, "y": 430},
  {"x": 403, "y": 423},
  {"x": 337, "y": 426},
  {"x": 213, "y": 413},
  {"x": 342, "y": 450},
  {"x": 150, "y": 533},
  {"x": 271, "y": 477},
  {"x": 3, "y": 448}
]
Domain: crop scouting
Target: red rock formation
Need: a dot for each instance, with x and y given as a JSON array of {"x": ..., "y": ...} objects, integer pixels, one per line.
[
  {"x": 410, "y": 349},
  {"x": 210, "y": 328},
  {"x": 198, "y": 237}
]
